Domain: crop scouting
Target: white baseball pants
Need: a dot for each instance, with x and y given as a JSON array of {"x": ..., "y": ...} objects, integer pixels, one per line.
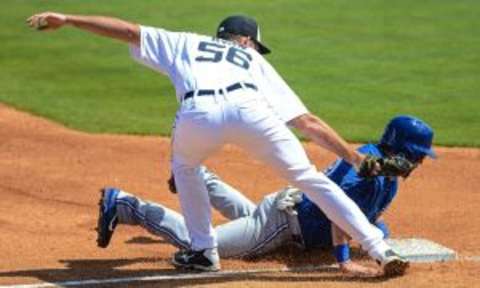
[{"x": 205, "y": 123}]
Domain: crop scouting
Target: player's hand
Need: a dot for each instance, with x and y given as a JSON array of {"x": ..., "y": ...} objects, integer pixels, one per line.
[
  {"x": 352, "y": 269},
  {"x": 367, "y": 165},
  {"x": 47, "y": 21},
  {"x": 287, "y": 199}
]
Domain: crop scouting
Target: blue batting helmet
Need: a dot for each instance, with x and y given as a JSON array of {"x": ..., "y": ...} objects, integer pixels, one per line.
[{"x": 409, "y": 136}]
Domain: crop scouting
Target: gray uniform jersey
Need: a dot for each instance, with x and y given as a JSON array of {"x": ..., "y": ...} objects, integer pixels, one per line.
[{"x": 254, "y": 230}]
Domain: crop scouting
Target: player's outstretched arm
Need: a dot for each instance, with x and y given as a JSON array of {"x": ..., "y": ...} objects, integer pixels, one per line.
[
  {"x": 101, "y": 25},
  {"x": 321, "y": 133}
]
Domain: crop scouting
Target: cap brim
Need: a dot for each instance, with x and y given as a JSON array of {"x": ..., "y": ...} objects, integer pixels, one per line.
[
  {"x": 429, "y": 152},
  {"x": 262, "y": 49},
  {"x": 432, "y": 153}
]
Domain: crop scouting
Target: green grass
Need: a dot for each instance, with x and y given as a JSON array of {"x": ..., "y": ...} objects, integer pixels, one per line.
[{"x": 354, "y": 63}]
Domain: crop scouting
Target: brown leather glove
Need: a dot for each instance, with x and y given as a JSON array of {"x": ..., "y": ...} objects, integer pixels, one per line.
[{"x": 396, "y": 165}]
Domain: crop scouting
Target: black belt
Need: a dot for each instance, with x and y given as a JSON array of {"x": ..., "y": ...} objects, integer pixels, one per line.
[{"x": 229, "y": 89}]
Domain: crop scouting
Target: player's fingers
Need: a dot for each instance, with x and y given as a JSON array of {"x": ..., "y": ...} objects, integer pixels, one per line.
[
  {"x": 30, "y": 20},
  {"x": 353, "y": 269},
  {"x": 36, "y": 17}
]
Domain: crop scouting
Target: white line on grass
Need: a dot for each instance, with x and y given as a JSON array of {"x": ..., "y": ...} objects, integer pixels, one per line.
[{"x": 183, "y": 276}]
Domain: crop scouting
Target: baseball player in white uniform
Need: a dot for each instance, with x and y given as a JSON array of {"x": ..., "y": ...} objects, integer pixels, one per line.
[
  {"x": 285, "y": 217},
  {"x": 228, "y": 93}
]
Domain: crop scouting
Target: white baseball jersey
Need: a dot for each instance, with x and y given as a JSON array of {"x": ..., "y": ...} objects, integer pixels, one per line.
[{"x": 196, "y": 62}]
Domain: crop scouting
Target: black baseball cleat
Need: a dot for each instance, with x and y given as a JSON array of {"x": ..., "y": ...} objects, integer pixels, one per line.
[
  {"x": 206, "y": 260},
  {"x": 107, "y": 216},
  {"x": 392, "y": 264}
]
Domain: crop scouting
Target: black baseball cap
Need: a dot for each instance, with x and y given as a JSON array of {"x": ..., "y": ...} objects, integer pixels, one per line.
[{"x": 245, "y": 26}]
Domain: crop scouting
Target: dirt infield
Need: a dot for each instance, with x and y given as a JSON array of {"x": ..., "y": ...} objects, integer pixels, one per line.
[{"x": 50, "y": 178}]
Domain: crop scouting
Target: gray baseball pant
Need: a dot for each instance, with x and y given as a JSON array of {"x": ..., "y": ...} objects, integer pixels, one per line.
[{"x": 253, "y": 230}]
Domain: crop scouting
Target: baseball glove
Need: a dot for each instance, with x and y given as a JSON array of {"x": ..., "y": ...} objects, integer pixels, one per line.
[{"x": 389, "y": 166}]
